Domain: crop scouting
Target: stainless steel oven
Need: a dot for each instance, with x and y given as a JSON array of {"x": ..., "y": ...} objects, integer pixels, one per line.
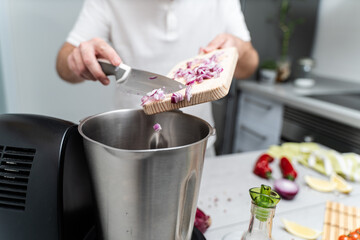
[{"x": 300, "y": 126}]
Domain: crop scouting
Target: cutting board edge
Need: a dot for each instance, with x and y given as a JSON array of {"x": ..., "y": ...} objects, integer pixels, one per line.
[{"x": 166, "y": 105}]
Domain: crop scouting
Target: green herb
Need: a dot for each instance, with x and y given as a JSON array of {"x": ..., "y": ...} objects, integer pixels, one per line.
[{"x": 287, "y": 26}]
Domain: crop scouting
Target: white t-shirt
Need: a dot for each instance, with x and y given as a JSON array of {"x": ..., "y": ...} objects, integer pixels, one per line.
[{"x": 154, "y": 35}]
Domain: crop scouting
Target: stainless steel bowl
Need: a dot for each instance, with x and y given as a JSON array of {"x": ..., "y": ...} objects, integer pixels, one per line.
[{"x": 146, "y": 183}]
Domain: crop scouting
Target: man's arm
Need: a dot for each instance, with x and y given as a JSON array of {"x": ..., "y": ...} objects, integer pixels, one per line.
[
  {"x": 247, "y": 62},
  {"x": 76, "y": 64},
  {"x": 248, "y": 57},
  {"x": 62, "y": 66}
]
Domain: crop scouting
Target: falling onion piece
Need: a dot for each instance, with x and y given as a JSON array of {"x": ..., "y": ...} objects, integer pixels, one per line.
[{"x": 157, "y": 127}]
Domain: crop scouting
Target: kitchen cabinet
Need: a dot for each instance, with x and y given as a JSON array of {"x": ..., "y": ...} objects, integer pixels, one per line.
[
  {"x": 258, "y": 124},
  {"x": 327, "y": 113}
]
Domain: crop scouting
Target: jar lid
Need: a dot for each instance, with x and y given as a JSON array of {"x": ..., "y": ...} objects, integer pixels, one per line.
[{"x": 306, "y": 62}]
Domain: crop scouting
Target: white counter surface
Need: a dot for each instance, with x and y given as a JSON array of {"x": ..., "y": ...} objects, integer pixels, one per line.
[
  {"x": 224, "y": 195},
  {"x": 290, "y": 95}
]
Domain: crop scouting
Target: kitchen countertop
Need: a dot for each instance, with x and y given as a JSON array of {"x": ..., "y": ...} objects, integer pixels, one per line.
[
  {"x": 224, "y": 195},
  {"x": 291, "y": 95}
]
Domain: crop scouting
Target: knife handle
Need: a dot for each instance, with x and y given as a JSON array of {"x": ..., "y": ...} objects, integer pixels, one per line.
[{"x": 121, "y": 72}]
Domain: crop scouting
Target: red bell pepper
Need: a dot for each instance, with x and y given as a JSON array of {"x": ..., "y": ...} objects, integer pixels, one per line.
[
  {"x": 262, "y": 168},
  {"x": 266, "y": 157},
  {"x": 287, "y": 169}
]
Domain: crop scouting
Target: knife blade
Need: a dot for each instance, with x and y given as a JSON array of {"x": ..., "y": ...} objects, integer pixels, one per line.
[{"x": 139, "y": 82}]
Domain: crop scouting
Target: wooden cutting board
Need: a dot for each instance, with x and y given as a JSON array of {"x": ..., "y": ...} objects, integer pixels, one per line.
[
  {"x": 209, "y": 90},
  {"x": 340, "y": 219}
]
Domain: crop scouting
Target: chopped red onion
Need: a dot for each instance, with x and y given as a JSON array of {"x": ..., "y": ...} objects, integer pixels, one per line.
[
  {"x": 157, "y": 127},
  {"x": 177, "y": 97},
  {"x": 196, "y": 71},
  {"x": 202, "y": 221},
  {"x": 153, "y": 77},
  {"x": 188, "y": 92},
  {"x": 188, "y": 64},
  {"x": 203, "y": 69},
  {"x": 154, "y": 95}
]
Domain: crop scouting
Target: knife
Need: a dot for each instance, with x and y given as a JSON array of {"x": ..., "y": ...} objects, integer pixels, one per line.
[{"x": 139, "y": 82}]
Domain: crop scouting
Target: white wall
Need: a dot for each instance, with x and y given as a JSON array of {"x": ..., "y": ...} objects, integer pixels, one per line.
[
  {"x": 31, "y": 32},
  {"x": 337, "y": 45},
  {"x": 2, "y": 97}
]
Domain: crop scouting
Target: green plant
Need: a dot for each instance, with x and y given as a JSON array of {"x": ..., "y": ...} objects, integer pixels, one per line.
[
  {"x": 287, "y": 26},
  {"x": 269, "y": 64}
]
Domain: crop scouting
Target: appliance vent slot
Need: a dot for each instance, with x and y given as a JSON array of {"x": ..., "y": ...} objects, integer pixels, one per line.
[
  {"x": 20, "y": 151},
  {"x": 15, "y": 168},
  {"x": 346, "y": 134}
]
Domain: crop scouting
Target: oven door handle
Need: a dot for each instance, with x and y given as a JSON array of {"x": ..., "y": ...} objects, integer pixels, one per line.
[{"x": 253, "y": 132}]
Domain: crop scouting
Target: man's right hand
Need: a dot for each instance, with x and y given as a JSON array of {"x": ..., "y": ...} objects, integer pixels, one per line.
[{"x": 76, "y": 64}]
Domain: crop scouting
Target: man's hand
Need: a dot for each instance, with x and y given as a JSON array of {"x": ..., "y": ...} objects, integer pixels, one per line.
[
  {"x": 219, "y": 42},
  {"x": 76, "y": 64},
  {"x": 248, "y": 56}
]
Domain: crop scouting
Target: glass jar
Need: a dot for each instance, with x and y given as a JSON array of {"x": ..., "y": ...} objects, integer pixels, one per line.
[
  {"x": 304, "y": 67},
  {"x": 263, "y": 204},
  {"x": 260, "y": 225}
]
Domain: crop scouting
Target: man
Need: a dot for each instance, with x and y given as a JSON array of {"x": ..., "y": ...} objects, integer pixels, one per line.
[{"x": 153, "y": 35}]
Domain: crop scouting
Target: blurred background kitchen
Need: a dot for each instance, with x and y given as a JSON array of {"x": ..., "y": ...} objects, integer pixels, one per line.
[{"x": 323, "y": 51}]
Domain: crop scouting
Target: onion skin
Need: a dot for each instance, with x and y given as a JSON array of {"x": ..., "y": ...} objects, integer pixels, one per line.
[
  {"x": 287, "y": 189},
  {"x": 202, "y": 221}
]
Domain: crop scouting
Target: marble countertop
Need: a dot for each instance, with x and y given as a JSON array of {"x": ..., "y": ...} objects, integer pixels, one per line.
[
  {"x": 224, "y": 195},
  {"x": 291, "y": 95}
]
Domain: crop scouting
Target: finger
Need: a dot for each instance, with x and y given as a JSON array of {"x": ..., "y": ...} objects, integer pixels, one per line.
[
  {"x": 88, "y": 56},
  {"x": 216, "y": 43},
  {"x": 80, "y": 66},
  {"x": 87, "y": 75},
  {"x": 104, "y": 50},
  {"x": 71, "y": 64},
  {"x": 229, "y": 42},
  {"x": 73, "y": 68},
  {"x": 83, "y": 72}
]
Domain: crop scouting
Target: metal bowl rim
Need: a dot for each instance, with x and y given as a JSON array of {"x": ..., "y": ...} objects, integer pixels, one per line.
[{"x": 83, "y": 121}]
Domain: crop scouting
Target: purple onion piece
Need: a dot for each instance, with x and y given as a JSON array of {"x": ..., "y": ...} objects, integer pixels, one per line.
[
  {"x": 285, "y": 188},
  {"x": 176, "y": 97},
  {"x": 204, "y": 69},
  {"x": 154, "y": 95},
  {"x": 157, "y": 127},
  {"x": 188, "y": 94}
]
